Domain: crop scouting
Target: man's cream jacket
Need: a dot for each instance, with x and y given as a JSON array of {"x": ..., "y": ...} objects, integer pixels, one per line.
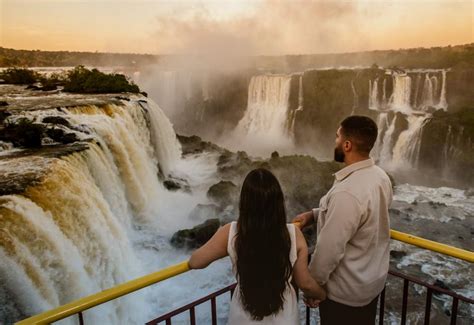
[{"x": 351, "y": 257}]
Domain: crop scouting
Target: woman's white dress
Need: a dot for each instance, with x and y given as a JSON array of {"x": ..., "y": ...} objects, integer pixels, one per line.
[{"x": 288, "y": 316}]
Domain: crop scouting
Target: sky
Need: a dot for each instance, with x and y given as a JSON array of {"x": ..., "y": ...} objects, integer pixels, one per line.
[{"x": 242, "y": 27}]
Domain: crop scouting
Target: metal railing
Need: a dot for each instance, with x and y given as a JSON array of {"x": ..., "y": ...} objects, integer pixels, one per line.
[{"x": 80, "y": 305}]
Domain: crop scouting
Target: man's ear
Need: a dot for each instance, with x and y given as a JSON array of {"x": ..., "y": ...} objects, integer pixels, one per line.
[{"x": 347, "y": 146}]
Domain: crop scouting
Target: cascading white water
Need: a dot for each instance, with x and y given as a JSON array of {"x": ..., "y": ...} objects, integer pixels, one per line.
[
  {"x": 406, "y": 149},
  {"x": 65, "y": 242},
  {"x": 443, "y": 104},
  {"x": 300, "y": 105},
  {"x": 373, "y": 95},
  {"x": 384, "y": 94},
  {"x": 427, "y": 94},
  {"x": 72, "y": 234},
  {"x": 413, "y": 99},
  {"x": 382, "y": 126},
  {"x": 265, "y": 120},
  {"x": 400, "y": 99},
  {"x": 166, "y": 146},
  {"x": 387, "y": 143}
]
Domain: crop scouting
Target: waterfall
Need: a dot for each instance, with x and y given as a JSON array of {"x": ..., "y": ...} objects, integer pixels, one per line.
[
  {"x": 300, "y": 105},
  {"x": 427, "y": 94},
  {"x": 373, "y": 94},
  {"x": 413, "y": 99},
  {"x": 387, "y": 142},
  {"x": 64, "y": 241},
  {"x": 407, "y": 147},
  {"x": 384, "y": 94},
  {"x": 400, "y": 99},
  {"x": 166, "y": 146},
  {"x": 443, "y": 104},
  {"x": 382, "y": 126},
  {"x": 356, "y": 98},
  {"x": 71, "y": 234},
  {"x": 417, "y": 90},
  {"x": 265, "y": 119}
]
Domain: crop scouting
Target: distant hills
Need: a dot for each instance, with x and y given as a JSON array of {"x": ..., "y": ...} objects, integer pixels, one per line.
[{"x": 460, "y": 56}]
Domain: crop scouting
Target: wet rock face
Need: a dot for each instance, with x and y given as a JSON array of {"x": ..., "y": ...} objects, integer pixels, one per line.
[
  {"x": 23, "y": 134},
  {"x": 194, "y": 144},
  {"x": 223, "y": 193},
  {"x": 57, "y": 120},
  {"x": 197, "y": 236},
  {"x": 175, "y": 184},
  {"x": 447, "y": 145}
]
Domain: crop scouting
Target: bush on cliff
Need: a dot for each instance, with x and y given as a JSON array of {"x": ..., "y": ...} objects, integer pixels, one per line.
[
  {"x": 19, "y": 76},
  {"x": 83, "y": 80}
]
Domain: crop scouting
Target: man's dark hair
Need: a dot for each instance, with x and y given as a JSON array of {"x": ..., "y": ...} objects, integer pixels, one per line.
[{"x": 361, "y": 130}]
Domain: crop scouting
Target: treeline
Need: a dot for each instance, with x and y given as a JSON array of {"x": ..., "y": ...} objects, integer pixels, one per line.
[
  {"x": 460, "y": 56},
  {"x": 36, "y": 58}
]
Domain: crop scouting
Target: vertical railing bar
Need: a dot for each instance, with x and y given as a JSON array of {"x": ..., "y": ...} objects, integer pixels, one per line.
[
  {"x": 81, "y": 318},
  {"x": 168, "y": 321},
  {"x": 382, "y": 306},
  {"x": 429, "y": 294},
  {"x": 405, "y": 302},
  {"x": 213, "y": 310},
  {"x": 454, "y": 311},
  {"x": 192, "y": 316}
]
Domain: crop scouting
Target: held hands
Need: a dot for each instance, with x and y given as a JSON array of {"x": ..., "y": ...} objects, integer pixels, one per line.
[
  {"x": 304, "y": 219},
  {"x": 311, "y": 302}
]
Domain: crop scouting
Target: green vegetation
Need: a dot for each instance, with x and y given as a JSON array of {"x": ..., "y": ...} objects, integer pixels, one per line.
[
  {"x": 82, "y": 80},
  {"x": 19, "y": 76},
  {"x": 460, "y": 56},
  {"x": 36, "y": 58},
  {"x": 78, "y": 80}
]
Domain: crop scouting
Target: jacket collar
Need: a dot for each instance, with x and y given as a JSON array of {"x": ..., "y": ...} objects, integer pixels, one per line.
[{"x": 346, "y": 171}]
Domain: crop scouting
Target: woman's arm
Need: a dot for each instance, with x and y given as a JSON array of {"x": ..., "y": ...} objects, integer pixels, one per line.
[
  {"x": 301, "y": 275},
  {"x": 214, "y": 249}
]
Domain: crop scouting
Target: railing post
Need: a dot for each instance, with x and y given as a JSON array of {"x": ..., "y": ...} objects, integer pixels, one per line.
[
  {"x": 454, "y": 311},
  {"x": 308, "y": 316},
  {"x": 382, "y": 306},
  {"x": 192, "y": 316},
  {"x": 214, "y": 311},
  {"x": 404, "y": 302},
  {"x": 429, "y": 294},
  {"x": 81, "y": 318}
]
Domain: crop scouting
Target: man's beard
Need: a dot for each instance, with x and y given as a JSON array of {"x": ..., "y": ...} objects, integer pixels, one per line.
[{"x": 339, "y": 154}]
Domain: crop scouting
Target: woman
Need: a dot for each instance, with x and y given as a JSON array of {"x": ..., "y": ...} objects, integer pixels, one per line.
[{"x": 266, "y": 255}]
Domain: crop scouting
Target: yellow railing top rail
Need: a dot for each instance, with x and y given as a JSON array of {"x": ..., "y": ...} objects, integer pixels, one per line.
[{"x": 85, "y": 303}]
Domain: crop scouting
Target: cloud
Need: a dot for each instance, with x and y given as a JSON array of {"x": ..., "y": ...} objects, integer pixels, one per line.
[{"x": 275, "y": 27}]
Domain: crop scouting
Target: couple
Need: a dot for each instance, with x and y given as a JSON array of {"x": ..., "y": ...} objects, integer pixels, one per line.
[{"x": 349, "y": 265}]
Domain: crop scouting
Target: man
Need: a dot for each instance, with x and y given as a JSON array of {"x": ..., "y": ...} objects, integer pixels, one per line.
[{"x": 351, "y": 257}]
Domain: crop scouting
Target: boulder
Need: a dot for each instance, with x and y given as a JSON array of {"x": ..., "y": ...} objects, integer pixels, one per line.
[
  {"x": 59, "y": 135},
  {"x": 175, "y": 184},
  {"x": 397, "y": 254},
  {"x": 223, "y": 193},
  {"x": 23, "y": 133},
  {"x": 197, "y": 236},
  {"x": 56, "y": 120}
]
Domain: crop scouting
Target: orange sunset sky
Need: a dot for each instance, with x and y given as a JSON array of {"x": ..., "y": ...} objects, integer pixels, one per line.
[{"x": 248, "y": 27}]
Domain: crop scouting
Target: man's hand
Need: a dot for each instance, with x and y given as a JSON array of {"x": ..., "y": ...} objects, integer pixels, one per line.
[
  {"x": 304, "y": 219},
  {"x": 311, "y": 302}
]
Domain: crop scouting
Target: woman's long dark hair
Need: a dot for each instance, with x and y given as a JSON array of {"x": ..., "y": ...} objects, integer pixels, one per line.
[{"x": 262, "y": 245}]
